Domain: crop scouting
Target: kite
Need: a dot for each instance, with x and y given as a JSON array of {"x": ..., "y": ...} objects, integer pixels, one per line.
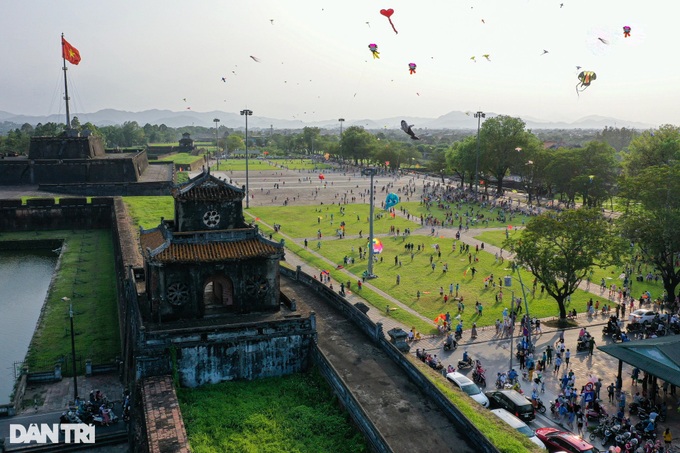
[
  {"x": 407, "y": 128},
  {"x": 578, "y": 67},
  {"x": 272, "y": 21},
  {"x": 473, "y": 58},
  {"x": 544, "y": 52},
  {"x": 369, "y": 25},
  {"x": 374, "y": 50},
  {"x": 224, "y": 79},
  {"x": 321, "y": 176},
  {"x": 626, "y": 31},
  {"x": 391, "y": 200},
  {"x": 377, "y": 246},
  {"x": 604, "y": 41},
  {"x": 257, "y": 60},
  {"x": 585, "y": 78},
  {"x": 412, "y": 68},
  {"x": 388, "y": 13},
  {"x": 486, "y": 55}
]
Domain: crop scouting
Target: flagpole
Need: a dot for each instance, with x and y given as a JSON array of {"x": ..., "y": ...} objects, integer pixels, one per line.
[{"x": 63, "y": 57}]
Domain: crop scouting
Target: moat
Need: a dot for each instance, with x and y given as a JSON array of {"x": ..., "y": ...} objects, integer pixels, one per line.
[{"x": 24, "y": 280}]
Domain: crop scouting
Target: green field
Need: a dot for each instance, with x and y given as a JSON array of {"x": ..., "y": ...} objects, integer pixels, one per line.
[
  {"x": 268, "y": 165},
  {"x": 464, "y": 214},
  {"x": 87, "y": 277},
  {"x": 296, "y": 413},
  {"x": 181, "y": 158}
]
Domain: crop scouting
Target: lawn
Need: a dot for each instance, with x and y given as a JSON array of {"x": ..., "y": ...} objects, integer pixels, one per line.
[
  {"x": 147, "y": 211},
  {"x": 295, "y": 413},
  {"x": 464, "y": 214},
  {"x": 306, "y": 221},
  {"x": 87, "y": 277},
  {"x": 255, "y": 164},
  {"x": 181, "y": 159}
]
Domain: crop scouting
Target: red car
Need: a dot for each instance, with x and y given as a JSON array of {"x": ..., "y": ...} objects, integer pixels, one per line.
[{"x": 557, "y": 440}]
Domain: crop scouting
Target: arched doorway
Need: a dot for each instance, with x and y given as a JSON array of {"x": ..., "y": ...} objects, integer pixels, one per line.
[{"x": 218, "y": 295}]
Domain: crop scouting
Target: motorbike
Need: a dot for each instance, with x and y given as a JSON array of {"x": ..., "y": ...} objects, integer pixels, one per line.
[
  {"x": 478, "y": 376},
  {"x": 100, "y": 419},
  {"x": 596, "y": 414},
  {"x": 462, "y": 364},
  {"x": 69, "y": 416},
  {"x": 450, "y": 343},
  {"x": 540, "y": 407},
  {"x": 457, "y": 335},
  {"x": 582, "y": 345}
]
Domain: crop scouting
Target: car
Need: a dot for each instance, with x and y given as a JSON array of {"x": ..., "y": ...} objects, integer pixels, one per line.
[
  {"x": 645, "y": 316},
  {"x": 557, "y": 440},
  {"x": 513, "y": 402},
  {"x": 519, "y": 425},
  {"x": 470, "y": 388}
]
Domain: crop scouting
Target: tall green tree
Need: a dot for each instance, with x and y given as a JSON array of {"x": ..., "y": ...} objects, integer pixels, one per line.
[
  {"x": 460, "y": 159},
  {"x": 652, "y": 219},
  {"x": 560, "y": 250},
  {"x": 357, "y": 144},
  {"x": 504, "y": 145}
]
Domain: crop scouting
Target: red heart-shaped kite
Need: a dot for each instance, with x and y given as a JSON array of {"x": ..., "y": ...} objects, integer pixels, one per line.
[{"x": 387, "y": 12}]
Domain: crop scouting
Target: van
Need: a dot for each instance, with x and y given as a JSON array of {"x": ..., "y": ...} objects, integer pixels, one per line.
[
  {"x": 519, "y": 425},
  {"x": 513, "y": 402}
]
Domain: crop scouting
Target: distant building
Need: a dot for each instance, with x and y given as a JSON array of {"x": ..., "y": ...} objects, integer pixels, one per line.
[{"x": 186, "y": 143}]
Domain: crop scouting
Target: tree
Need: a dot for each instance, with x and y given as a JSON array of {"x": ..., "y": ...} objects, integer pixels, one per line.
[
  {"x": 501, "y": 138},
  {"x": 652, "y": 221},
  {"x": 357, "y": 144},
  {"x": 234, "y": 142},
  {"x": 652, "y": 148},
  {"x": 309, "y": 136},
  {"x": 560, "y": 250},
  {"x": 461, "y": 158}
]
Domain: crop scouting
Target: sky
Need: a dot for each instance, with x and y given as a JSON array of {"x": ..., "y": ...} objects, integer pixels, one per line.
[{"x": 314, "y": 61}]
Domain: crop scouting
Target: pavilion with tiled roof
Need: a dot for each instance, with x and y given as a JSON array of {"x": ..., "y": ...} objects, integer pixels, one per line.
[{"x": 208, "y": 261}]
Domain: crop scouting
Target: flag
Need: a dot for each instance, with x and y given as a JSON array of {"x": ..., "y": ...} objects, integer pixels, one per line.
[{"x": 69, "y": 53}]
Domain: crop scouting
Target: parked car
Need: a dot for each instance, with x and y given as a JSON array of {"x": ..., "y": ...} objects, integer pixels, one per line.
[
  {"x": 513, "y": 402},
  {"x": 557, "y": 440},
  {"x": 519, "y": 425},
  {"x": 470, "y": 388},
  {"x": 645, "y": 316}
]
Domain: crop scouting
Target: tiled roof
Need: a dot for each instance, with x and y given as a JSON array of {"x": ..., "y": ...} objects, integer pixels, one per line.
[
  {"x": 151, "y": 239},
  {"x": 216, "y": 251},
  {"x": 207, "y": 188}
]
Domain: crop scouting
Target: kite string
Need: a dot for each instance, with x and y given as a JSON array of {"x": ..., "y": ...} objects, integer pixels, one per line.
[{"x": 395, "y": 30}]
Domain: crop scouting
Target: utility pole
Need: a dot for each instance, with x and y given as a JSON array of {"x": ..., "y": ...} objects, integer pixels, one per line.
[{"x": 479, "y": 116}]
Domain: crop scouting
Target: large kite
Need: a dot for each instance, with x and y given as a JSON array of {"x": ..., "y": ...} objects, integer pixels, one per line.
[
  {"x": 412, "y": 68},
  {"x": 407, "y": 128},
  {"x": 377, "y": 246},
  {"x": 391, "y": 200},
  {"x": 585, "y": 78},
  {"x": 388, "y": 13}
]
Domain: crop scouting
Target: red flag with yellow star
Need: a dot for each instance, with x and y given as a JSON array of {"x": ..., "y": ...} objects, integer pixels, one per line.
[{"x": 69, "y": 53}]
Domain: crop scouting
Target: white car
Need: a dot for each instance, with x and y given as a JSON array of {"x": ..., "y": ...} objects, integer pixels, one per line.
[
  {"x": 469, "y": 387},
  {"x": 519, "y": 425},
  {"x": 645, "y": 316}
]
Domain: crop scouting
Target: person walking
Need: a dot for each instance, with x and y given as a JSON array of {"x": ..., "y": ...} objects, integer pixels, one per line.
[
  {"x": 591, "y": 345},
  {"x": 667, "y": 438},
  {"x": 549, "y": 354},
  {"x": 567, "y": 356},
  {"x": 610, "y": 392},
  {"x": 558, "y": 364}
]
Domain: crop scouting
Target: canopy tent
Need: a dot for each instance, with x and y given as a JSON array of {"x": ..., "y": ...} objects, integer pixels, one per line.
[{"x": 659, "y": 357}]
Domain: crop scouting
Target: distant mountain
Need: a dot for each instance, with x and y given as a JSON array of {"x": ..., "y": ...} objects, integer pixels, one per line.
[{"x": 451, "y": 120}]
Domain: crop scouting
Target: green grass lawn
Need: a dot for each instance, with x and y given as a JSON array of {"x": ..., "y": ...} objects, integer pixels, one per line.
[
  {"x": 267, "y": 165},
  {"x": 181, "y": 159},
  {"x": 147, "y": 211},
  {"x": 87, "y": 277},
  {"x": 465, "y": 211},
  {"x": 305, "y": 221},
  {"x": 295, "y": 413}
]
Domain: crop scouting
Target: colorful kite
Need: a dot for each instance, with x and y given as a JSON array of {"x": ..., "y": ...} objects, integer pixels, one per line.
[
  {"x": 374, "y": 50},
  {"x": 585, "y": 78},
  {"x": 626, "y": 31},
  {"x": 377, "y": 246},
  {"x": 321, "y": 176},
  {"x": 407, "y": 128},
  {"x": 391, "y": 200},
  {"x": 388, "y": 13},
  {"x": 412, "y": 68}
]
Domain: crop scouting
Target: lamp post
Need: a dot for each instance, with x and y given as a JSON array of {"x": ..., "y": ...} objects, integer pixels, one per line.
[
  {"x": 217, "y": 120},
  {"x": 73, "y": 348},
  {"x": 247, "y": 113},
  {"x": 508, "y": 283},
  {"x": 341, "y": 120},
  {"x": 370, "y": 172},
  {"x": 479, "y": 116}
]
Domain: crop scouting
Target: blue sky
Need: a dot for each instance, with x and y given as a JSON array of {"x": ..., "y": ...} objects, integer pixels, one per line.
[{"x": 315, "y": 63}]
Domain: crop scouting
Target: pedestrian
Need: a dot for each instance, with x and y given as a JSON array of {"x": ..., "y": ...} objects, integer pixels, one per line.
[
  {"x": 558, "y": 364},
  {"x": 398, "y": 279},
  {"x": 549, "y": 354},
  {"x": 591, "y": 345},
  {"x": 418, "y": 295},
  {"x": 610, "y": 392},
  {"x": 667, "y": 438},
  {"x": 598, "y": 387},
  {"x": 567, "y": 356},
  {"x": 579, "y": 423}
]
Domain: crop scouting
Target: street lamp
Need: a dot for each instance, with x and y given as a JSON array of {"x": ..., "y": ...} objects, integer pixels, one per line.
[
  {"x": 341, "y": 120},
  {"x": 479, "y": 116},
  {"x": 247, "y": 113},
  {"x": 370, "y": 172},
  {"x": 73, "y": 348},
  {"x": 216, "y": 120}
]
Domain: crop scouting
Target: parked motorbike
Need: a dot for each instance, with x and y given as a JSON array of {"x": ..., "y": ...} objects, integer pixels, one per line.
[
  {"x": 596, "y": 414},
  {"x": 106, "y": 418}
]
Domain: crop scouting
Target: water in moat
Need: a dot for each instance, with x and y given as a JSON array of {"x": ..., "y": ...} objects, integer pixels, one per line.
[{"x": 24, "y": 280}]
